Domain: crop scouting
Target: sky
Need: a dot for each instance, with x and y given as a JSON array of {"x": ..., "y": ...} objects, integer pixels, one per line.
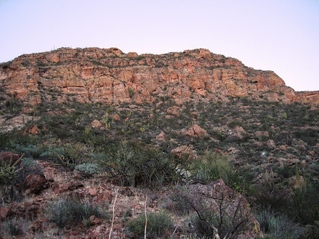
[{"x": 277, "y": 35}]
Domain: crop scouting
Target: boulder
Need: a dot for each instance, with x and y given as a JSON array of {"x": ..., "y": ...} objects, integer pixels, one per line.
[
  {"x": 35, "y": 183},
  {"x": 184, "y": 151},
  {"x": 231, "y": 209},
  {"x": 195, "y": 131},
  {"x": 96, "y": 124}
]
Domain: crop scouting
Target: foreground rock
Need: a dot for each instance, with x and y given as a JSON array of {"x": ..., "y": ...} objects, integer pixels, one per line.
[{"x": 232, "y": 215}]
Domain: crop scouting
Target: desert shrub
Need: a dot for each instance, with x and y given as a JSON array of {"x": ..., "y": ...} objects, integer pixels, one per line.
[
  {"x": 203, "y": 224},
  {"x": 304, "y": 207},
  {"x": 12, "y": 139},
  {"x": 50, "y": 153},
  {"x": 234, "y": 123},
  {"x": 8, "y": 171},
  {"x": 218, "y": 135},
  {"x": 12, "y": 178},
  {"x": 88, "y": 169},
  {"x": 30, "y": 150},
  {"x": 279, "y": 226},
  {"x": 12, "y": 227},
  {"x": 310, "y": 136},
  {"x": 215, "y": 213},
  {"x": 28, "y": 166},
  {"x": 13, "y": 105},
  {"x": 179, "y": 204},
  {"x": 131, "y": 92},
  {"x": 157, "y": 224},
  {"x": 212, "y": 166},
  {"x": 208, "y": 223},
  {"x": 71, "y": 211},
  {"x": 6, "y": 140},
  {"x": 69, "y": 155},
  {"x": 286, "y": 171},
  {"x": 136, "y": 164},
  {"x": 271, "y": 195}
]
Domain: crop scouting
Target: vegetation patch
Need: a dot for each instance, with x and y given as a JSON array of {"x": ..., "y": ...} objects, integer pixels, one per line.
[{"x": 151, "y": 226}]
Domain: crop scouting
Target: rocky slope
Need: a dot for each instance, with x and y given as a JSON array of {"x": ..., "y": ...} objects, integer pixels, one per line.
[
  {"x": 89, "y": 125},
  {"x": 111, "y": 76}
]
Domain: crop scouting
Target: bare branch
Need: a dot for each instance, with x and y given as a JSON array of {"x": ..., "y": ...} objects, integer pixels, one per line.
[
  {"x": 145, "y": 211},
  {"x": 113, "y": 209}
]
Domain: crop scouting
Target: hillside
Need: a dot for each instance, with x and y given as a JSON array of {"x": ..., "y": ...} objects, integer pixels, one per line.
[{"x": 202, "y": 143}]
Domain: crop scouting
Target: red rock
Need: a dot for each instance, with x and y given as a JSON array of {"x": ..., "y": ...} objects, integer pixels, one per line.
[
  {"x": 181, "y": 76},
  {"x": 93, "y": 191},
  {"x": 116, "y": 117},
  {"x": 174, "y": 110},
  {"x": 4, "y": 212},
  {"x": 34, "y": 130},
  {"x": 216, "y": 196},
  {"x": 184, "y": 150},
  {"x": 35, "y": 183},
  {"x": 195, "y": 131},
  {"x": 161, "y": 136},
  {"x": 96, "y": 124},
  {"x": 308, "y": 97}
]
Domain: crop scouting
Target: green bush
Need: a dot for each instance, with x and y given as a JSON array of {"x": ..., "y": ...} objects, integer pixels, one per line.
[
  {"x": 207, "y": 223},
  {"x": 179, "y": 205},
  {"x": 304, "y": 207},
  {"x": 211, "y": 167},
  {"x": 69, "y": 155},
  {"x": 12, "y": 178},
  {"x": 135, "y": 164},
  {"x": 13, "y": 105},
  {"x": 30, "y": 150},
  {"x": 272, "y": 196},
  {"x": 88, "y": 169},
  {"x": 234, "y": 123},
  {"x": 28, "y": 166},
  {"x": 211, "y": 216},
  {"x": 279, "y": 226},
  {"x": 8, "y": 172},
  {"x": 157, "y": 224},
  {"x": 203, "y": 224},
  {"x": 71, "y": 212},
  {"x": 12, "y": 227}
]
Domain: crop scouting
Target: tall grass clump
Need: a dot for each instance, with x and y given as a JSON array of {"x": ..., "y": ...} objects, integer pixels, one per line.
[
  {"x": 156, "y": 224},
  {"x": 279, "y": 226},
  {"x": 71, "y": 211},
  {"x": 134, "y": 164},
  {"x": 212, "y": 166}
]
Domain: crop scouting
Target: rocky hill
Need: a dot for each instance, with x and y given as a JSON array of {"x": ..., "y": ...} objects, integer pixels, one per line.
[
  {"x": 95, "y": 143},
  {"x": 111, "y": 76}
]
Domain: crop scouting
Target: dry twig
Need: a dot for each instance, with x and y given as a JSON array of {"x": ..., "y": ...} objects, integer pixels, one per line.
[{"x": 113, "y": 216}]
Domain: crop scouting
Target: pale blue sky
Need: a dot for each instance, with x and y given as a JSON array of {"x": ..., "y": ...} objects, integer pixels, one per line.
[{"x": 278, "y": 35}]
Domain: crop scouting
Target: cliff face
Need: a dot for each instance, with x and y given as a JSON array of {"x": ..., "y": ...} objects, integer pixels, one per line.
[
  {"x": 111, "y": 76},
  {"x": 308, "y": 97}
]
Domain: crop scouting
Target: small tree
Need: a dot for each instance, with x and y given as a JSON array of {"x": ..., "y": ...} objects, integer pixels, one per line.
[{"x": 219, "y": 213}]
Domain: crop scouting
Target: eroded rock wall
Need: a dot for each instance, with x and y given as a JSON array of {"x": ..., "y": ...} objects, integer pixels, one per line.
[{"x": 111, "y": 76}]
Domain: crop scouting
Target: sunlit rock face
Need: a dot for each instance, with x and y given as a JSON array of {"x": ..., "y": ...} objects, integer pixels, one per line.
[{"x": 111, "y": 76}]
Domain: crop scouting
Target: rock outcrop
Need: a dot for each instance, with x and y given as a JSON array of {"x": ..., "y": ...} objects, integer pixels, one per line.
[
  {"x": 311, "y": 97},
  {"x": 111, "y": 76},
  {"x": 231, "y": 210}
]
